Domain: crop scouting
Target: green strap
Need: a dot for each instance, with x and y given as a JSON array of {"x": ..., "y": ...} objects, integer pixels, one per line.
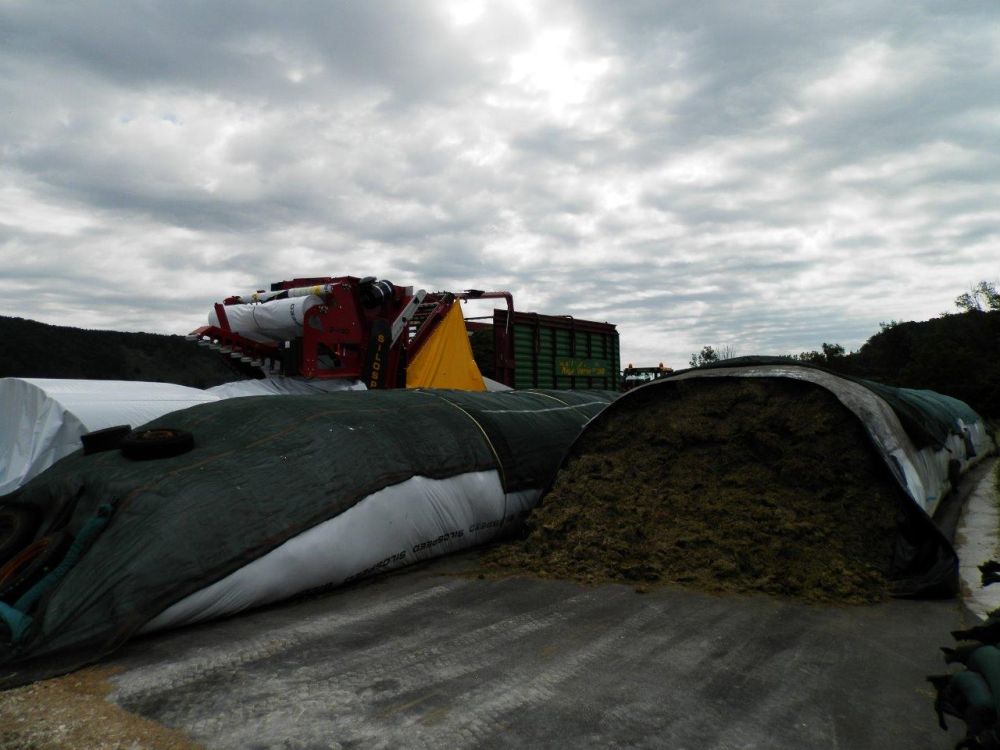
[
  {"x": 83, "y": 540},
  {"x": 17, "y": 622}
]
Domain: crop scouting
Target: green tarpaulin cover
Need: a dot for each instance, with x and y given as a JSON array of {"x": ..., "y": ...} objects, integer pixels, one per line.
[{"x": 263, "y": 470}]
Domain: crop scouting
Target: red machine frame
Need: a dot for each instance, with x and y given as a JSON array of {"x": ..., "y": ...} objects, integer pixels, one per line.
[{"x": 363, "y": 329}]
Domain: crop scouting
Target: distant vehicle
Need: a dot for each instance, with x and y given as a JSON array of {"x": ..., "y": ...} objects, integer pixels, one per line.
[{"x": 633, "y": 377}]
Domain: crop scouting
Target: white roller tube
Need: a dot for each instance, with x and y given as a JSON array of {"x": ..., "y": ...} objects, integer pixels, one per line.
[
  {"x": 300, "y": 291},
  {"x": 278, "y": 320}
]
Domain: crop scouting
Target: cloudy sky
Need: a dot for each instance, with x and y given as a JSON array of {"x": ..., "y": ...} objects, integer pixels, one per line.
[{"x": 765, "y": 176}]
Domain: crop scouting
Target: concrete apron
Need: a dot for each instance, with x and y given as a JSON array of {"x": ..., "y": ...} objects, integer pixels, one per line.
[
  {"x": 434, "y": 657},
  {"x": 977, "y": 540}
]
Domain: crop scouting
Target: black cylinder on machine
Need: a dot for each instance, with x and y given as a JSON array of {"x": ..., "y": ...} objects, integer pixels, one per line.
[{"x": 375, "y": 293}]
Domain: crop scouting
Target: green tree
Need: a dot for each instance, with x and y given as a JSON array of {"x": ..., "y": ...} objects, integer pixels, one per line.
[
  {"x": 829, "y": 354},
  {"x": 832, "y": 351},
  {"x": 982, "y": 297},
  {"x": 706, "y": 356}
]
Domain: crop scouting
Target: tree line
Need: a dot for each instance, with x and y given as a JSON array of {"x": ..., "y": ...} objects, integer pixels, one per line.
[{"x": 957, "y": 353}]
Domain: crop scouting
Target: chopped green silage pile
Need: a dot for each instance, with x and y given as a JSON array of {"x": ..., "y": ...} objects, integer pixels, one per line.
[{"x": 719, "y": 484}]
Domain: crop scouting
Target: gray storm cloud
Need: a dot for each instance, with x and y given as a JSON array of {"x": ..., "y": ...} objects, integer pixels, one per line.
[{"x": 764, "y": 176}]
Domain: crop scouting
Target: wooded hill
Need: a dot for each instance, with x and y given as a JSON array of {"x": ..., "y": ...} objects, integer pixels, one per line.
[
  {"x": 958, "y": 355},
  {"x": 38, "y": 350}
]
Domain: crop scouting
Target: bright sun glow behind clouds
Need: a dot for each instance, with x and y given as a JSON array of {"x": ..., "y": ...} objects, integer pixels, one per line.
[
  {"x": 556, "y": 74},
  {"x": 465, "y": 12}
]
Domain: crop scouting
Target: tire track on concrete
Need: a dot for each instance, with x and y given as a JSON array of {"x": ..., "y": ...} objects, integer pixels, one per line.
[
  {"x": 773, "y": 681},
  {"x": 484, "y": 709},
  {"x": 348, "y": 699},
  {"x": 200, "y": 662}
]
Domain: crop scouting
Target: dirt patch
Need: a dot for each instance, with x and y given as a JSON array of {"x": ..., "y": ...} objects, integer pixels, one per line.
[
  {"x": 73, "y": 712},
  {"x": 766, "y": 485}
]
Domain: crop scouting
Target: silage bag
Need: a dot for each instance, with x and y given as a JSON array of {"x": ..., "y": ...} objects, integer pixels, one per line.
[
  {"x": 927, "y": 441},
  {"x": 281, "y": 495}
]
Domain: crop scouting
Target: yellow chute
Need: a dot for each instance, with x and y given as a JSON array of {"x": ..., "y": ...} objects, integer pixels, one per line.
[{"x": 445, "y": 360}]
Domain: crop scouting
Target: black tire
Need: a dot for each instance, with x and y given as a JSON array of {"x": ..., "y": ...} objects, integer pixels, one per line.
[
  {"x": 29, "y": 566},
  {"x": 158, "y": 442},
  {"x": 18, "y": 524},
  {"x": 104, "y": 440}
]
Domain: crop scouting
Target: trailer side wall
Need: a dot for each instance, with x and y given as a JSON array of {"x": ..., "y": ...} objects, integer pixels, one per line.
[{"x": 559, "y": 352}]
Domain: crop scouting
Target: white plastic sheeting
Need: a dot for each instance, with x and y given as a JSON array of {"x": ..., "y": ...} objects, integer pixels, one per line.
[
  {"x": 977, "y": 541},
  {"x": 398, "y": 525},
  {"x": 41, "y": 420},
  {"x": 277, "y": 320},
  {"x": 283, "y": 386},
  {"x": 923, "y": 473},
  {"x": 494, "y": 386}
]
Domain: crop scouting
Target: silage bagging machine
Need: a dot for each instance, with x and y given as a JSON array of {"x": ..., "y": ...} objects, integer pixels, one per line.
[
  {"x": 390, "y": 336},
  {"x": 343, "y": 327}
]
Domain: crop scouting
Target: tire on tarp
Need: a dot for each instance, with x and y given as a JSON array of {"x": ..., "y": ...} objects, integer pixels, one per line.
[
  {"x": 107, "y": 439},
  {"x": 42, "y": 419},
  {"x": 158, "y": 442}
]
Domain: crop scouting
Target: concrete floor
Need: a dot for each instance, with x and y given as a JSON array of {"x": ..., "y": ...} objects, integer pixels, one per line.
[{"x": 429, "y": 658}]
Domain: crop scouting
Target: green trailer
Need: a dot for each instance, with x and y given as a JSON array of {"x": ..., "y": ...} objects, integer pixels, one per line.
[{"x": 530, "y": 350}]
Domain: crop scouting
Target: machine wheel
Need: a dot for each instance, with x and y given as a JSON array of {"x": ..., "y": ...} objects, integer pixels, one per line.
[
  {"x": 160, "y": 442},
  {"x": 104, "y": 440},
  {"x": 25, "y": 569},
  {"x": 18, "y": 524}
]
